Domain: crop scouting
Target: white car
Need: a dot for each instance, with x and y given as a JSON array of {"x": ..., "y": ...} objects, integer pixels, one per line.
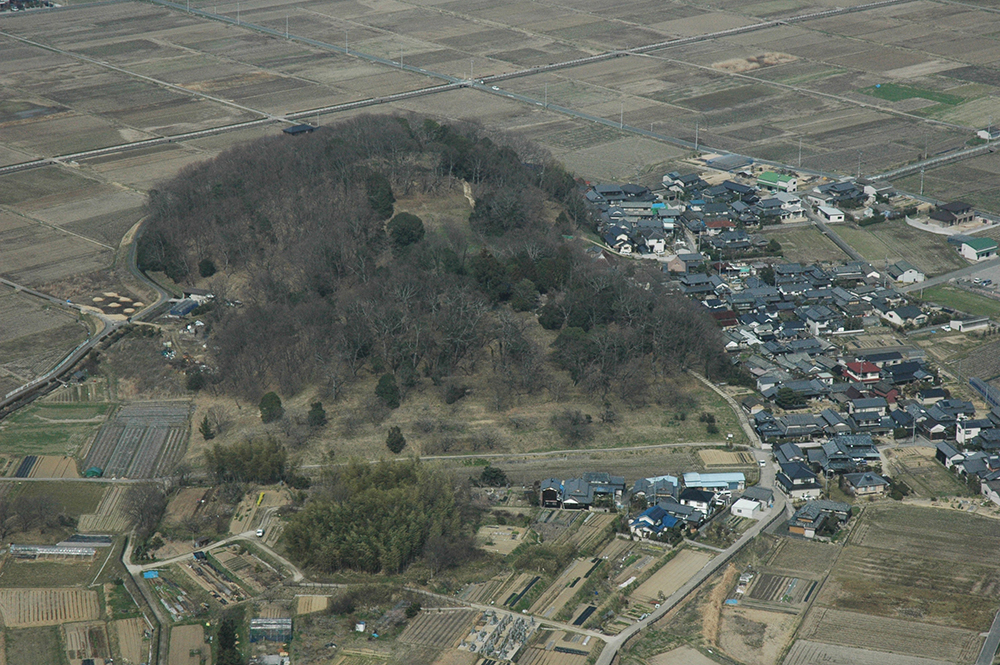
[{"x": 260, "y": 532}]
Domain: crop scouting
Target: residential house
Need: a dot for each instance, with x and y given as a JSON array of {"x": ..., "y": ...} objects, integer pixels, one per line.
[
  {"x": 687, "y": 514},
  {"x": 652, "y": 522},
  {"x": 798, "y": 481},
  {"x": 966, "y": 429},
  {"x": 864, "y": 372},
  {"x": 846, "y": 453},
  {"x": 656, "y": 488},
  {"x": 830, "y": 214},
  {"x": 684, "y": 262},
  {"x": 906, "y": 315},
  {"x": 951, "y": 214},
  {"x": 759, "y": 494},
  {"x": 864, "y": 484},
  {"x": 697, "y": 499},
  {"x": 581, "y": 493},
  {"x": 815, "y": 516},
  {"x": 777, "y": 181},
  {"x": 874, "y": 404},
  {"x": 948, "y": 455}
]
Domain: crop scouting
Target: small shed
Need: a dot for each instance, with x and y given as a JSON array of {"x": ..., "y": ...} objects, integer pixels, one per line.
[{"x": 295, "y": 130}]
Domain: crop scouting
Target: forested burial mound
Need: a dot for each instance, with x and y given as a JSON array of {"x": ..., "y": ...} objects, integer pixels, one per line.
[
  {"x": 302, "y": 230},
  {"x": 338, "y": 287}
]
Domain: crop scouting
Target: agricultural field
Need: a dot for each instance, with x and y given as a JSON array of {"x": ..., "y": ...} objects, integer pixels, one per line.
[
  {"x": 439, "y": 629},
  {"x": 255, "y": 508},
  {"x": 724, "y": 458},
  {"x": 961, "y": 300},
  {"x": 111, "y": 515},
  {"x": 897, "y": 240},
  {"x": 131, "y": 644},
  {"x": 144, "y": 440},
  {"x": 34, "y": 646},
  {"x": 26, "y": 608},
  {"x": 86, "y": 641},
  {"x": 311, "y": 604},
  {"x": 671, "y": 576},
  {"x": 75, "y": 499},
  {"x": 922, "y": 473},
  {"x": 564, "y": 588},
  {"x": 184, "y": 504},
  {"x": 41, "y": 429},
  {"x": 559, "y": 648},
  {"x": 971, "y": 180},
  {"x": 805, "y": 652},
  {"x": 803, "y": 556},
  {"x": 806, "y": 244},
  {"x": 188, "y": 646},
  {"x": 50, "y": 573},
  {"x": 896, "y": 636},
  {"x": 251, "y": 570},
  {"x": 753, "y": 636},
  {"x": 500, "y": 539},
  {"x": 900, "y": 584}
]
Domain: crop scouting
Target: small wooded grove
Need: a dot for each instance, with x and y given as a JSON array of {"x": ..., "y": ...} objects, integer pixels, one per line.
[
  {"x": 382, "y": 517},
  {"x": 336, "y": 288}
]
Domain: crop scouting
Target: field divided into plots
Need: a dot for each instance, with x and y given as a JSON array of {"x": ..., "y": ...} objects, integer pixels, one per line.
[
  {"x": 439, "y": 629},
  {"x": 22, "y": 608},
  {"x": 111, "y": 515},
  {"x": 144, "y": 440}
]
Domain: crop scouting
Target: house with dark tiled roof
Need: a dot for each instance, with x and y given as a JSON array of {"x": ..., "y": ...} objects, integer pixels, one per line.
[
  {"x": 864, "y": 484},
  {"x": 817, "y": 516},
  {"x": 798, "y": 481}
]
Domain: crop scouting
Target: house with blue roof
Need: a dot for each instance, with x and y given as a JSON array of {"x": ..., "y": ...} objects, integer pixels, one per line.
[{"x": 652, "y": 522}]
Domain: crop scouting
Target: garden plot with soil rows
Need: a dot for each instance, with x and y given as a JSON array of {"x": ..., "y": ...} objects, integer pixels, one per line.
[
  {"x": 22, "y": 608},
  {"x": 672, "y": 576},
  {"x": 145, "y": 439},
  {"x": 86, "y": 641},
  {"x": 441, "y": 629},
  {"x": 131, "y": 644},
  {"x": 111, "y": 515}
]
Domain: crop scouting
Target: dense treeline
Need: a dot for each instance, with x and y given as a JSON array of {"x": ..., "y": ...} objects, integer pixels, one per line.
[
  {"x": 382, "y": 517},
  {"x": 333, "y": 291}
]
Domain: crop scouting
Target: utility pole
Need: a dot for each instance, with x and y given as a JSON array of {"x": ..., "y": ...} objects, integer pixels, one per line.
[
  {"x": 346, "y": 50},
  {"x": 286, "y": 26},
  {"x": 921, "y": 181},
  {"x": 800, "y": 152},
  {"x": 696, "y": 128},
  {"x": 859, "y": 163},
  {"x": 621, "y": 117},
  {"x": 237, "y": 13},
  {"x": 546, "y": 95}
]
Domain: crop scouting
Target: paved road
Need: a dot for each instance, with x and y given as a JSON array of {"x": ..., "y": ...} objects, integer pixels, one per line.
[
  {"x": 942, "y": 279},
  {"x": 615, "y": 643},
  {"x": 108, "y": 325},
  {"x": 989, "y": 650},
  {"x": 832, "y": 235}
]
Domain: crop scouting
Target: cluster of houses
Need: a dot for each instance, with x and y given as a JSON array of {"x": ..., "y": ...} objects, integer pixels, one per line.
[
  {"x": 635, "y": 220},
  {"x": 687, "y": 500}
]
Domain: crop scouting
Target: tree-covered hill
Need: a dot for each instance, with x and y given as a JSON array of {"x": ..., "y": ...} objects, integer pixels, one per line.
[{"x": 336, "y": 287}]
